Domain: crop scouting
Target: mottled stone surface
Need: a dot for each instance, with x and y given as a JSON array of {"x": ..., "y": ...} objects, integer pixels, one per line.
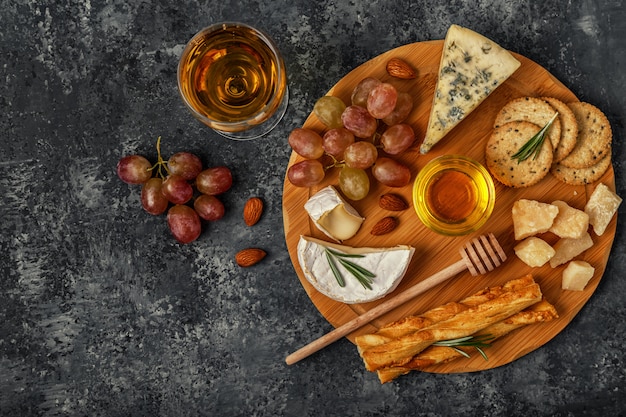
[{"x": 103, "y": 314}]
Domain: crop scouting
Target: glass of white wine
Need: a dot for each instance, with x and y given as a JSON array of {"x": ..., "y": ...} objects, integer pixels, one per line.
[{"x": 232, "y": 78}]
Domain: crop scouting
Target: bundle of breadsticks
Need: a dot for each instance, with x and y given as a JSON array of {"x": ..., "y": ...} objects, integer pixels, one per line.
[{"x": 407, "y": 344}]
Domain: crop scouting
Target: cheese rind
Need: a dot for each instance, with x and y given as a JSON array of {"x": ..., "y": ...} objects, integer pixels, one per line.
[
  {"x": 333, "y": 215},
  {"x": 471, "y": 68},
  {"x": 388, "y": 264}
]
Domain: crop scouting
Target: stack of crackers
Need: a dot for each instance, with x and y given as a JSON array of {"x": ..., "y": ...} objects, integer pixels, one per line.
[{"x": 578, "y": 151}]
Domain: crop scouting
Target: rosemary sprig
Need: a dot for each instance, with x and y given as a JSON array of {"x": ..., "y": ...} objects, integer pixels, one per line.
[
  {"x": 477, "y": 342},
  {"x": 534, "y": 144},
  {"x": 361, "y": 274}
]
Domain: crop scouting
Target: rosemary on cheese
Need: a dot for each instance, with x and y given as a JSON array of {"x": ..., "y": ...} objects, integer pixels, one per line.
[
  {"x": 534, "y": 144},
  {"x": 361, "y": 274}
]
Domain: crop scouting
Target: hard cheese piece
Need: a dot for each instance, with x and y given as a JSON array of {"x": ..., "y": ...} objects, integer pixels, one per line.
[
  {"x": 333, "y": 215},
  {"x": 566, "y": 249},
  {"x": 388, "y": 264},
  {"x": 576, "y": 275},
  {"x": 601, "y": 208},
  {"x": 471, "y": 68},
  {"x": 531, "y": 217},
  {"x": 534, "y": 252},
  {"x": 570, "y": 222}
]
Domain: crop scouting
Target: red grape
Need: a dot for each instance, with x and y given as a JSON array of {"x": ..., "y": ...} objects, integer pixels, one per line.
[
  {"x": 362, "y": 91},
  {"x": 185, "y": 164},
  {"x": 214, "y": 181},
  {"x": 358, "y": 121},
  {"x": 306, "y": 143},
  {"x": 391, "y": 173},
  {"x": 209, "y": 207},
  {"x": 403, "y": 108},
  {"x": 397, "y": 138},
  {"x": 152, "y": 199},
  {"x": 306, "y": 173},
  {"x": 184, "y": 223},
  {"x": 382, "y": 100},
  {"x": 134, "y": 169},
  {"x": 361, "y": 155},
  {"x": 176, "y": 189},
  {"x": 335, "y": 141}
]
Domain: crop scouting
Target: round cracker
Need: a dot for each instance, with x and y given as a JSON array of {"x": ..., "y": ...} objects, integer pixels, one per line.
[
  {"x": 569, "y": 128},
  {"x": 582, "y": 176},
  {"x": 533, "y": 110},
  {"x": 505, "y": 141},
  {"x": 594, "y": 136}
]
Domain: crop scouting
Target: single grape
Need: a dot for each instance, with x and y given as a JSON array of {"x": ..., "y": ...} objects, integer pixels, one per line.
[
  {"x": 209, "y": 207},
  {"x": 362, "y": 91},
  {"x": 382, "y": 100},
  {"x": 214, "y": 181},
  {"x": 397, "y": 138},
  {"x": 306, "y": 143},
  {"x": 403, "y": 108},
  {"x": 391, "y": 173},
  {"x": 354, "y": 183},
  {"x": 152, "y": 199},
  {"x": 328, "y": 109},
  {"x": 306, "y": 173},
  {"x": 176, "y": 189},
  {"x": 360, "y": 155},
  {"x": 134, "y": 169},
  {"x": 335, "y": 141},
  {"x": 184, "y": 223},
  {"x": 358, "y": 121},
  {"x": 185, "y": 164}
]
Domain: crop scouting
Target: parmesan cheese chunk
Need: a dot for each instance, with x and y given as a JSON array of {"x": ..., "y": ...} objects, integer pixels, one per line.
[
  {"x": 601, "y": 208},
  {"x": 471, "y": 68},
  {"x": 567, "y": 249},
  {"x": 532, "y": 217},
  {"x": 577, "y": 275},
  {"x": 570, "y": 222},
  {"x": 534, "y": 251}
]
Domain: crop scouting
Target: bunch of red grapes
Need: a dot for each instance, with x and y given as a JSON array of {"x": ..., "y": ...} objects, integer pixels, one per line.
[
  {"x": 356, "y": 134},
  {"x": 181, "y": 186}
]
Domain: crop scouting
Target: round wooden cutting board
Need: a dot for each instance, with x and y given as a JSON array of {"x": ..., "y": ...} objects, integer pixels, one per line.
[{"x": 433, "y": 251}]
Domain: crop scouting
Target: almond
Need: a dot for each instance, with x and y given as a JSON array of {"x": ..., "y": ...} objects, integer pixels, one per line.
[
  {"x": 384, "y": 226},
  {"x": 392, "y": 202},
  {"x": 249, "y": 257},
  {"x": 252, "y": 211},
  {"x": 398, "y": 68}
]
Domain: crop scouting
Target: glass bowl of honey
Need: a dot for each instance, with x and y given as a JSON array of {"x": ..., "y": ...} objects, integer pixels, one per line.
[{"x": 454, "y": 195}]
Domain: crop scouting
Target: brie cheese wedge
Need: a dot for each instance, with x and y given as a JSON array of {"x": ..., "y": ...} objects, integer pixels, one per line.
[
  {"x": 471, "y": 67},
  {"x": 333, "y": 215},
  {"x": 388, "y": 264}
]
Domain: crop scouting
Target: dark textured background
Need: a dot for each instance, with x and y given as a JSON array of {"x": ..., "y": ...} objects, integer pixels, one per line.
[{"x": 103, "y": 314}]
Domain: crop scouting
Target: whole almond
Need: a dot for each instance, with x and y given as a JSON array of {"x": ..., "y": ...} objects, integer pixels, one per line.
[
  {"x": 384, "y": 226},
  {"x": 249, "y": 257},
  {"x": 252, "y": 211},
  {"x": 392, "y": 202},
  {"x": 399, "y": 68}
]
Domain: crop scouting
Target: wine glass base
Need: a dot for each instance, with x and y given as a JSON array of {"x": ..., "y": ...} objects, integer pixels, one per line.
[{"x": 262, "y": 129}]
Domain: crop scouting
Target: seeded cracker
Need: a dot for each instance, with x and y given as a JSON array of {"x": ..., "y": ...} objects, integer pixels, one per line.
[
  {"x": 534, "y": 110},
  {"x": 594, "y": 136},
  {"x": 505, "y": 141},
  {"x": 582, "y": 176},
  {"x": 569, "y": 128}
]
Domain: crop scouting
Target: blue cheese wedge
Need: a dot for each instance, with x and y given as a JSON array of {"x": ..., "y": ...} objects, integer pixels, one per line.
[
  {"x": 333, "y": 215},
  {"x": 471, "y": 68},
  {"x": 389, "y": 266}
]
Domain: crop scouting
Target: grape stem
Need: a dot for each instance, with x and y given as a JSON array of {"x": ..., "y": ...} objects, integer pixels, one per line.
[{"x": 160, "y": 164}]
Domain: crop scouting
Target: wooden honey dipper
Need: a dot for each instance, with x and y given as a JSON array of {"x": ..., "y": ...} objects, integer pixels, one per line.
[{"x": 480, "y": 255}]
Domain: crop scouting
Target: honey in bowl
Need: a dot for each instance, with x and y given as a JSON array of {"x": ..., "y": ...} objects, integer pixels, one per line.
[{"x": 453, "y": 195}]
